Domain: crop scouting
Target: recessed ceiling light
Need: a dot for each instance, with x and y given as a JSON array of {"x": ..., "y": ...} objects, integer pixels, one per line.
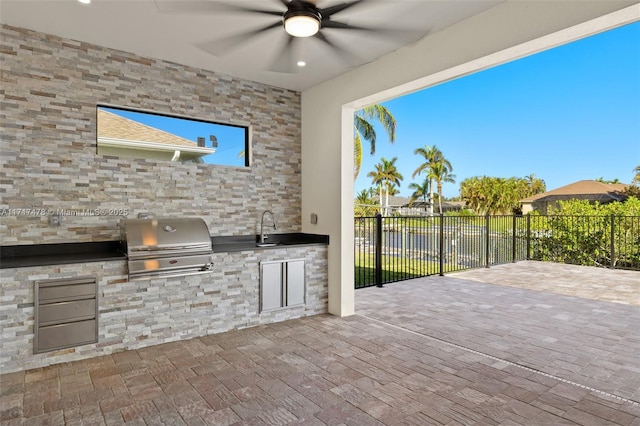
[
  {"x": 301, "y": 63},
  {"x": 85, "y": 1}
]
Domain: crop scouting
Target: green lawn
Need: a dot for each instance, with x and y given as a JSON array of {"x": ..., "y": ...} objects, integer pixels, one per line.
[{"x": 393, "y": 269}]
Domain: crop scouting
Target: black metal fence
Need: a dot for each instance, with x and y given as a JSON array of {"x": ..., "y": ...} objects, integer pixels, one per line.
[{"x": 389, "y": 249}]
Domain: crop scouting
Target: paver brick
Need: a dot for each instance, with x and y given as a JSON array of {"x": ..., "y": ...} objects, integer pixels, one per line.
[{"x": 372, "y": 368}]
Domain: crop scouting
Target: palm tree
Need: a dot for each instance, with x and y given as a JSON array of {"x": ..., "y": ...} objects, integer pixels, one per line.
[
  {"x": 432, "y": 156},
  {"x": 386, "y": 176},
  {"x": 536, "y": 186},
  {"x": 373, "y": 192},
  {"x": 393, "y": 189},
  {"x": 440, "y": 173},
  {"x": 377, "y": 178},
  {"x": 633, "y": 190},
  {"x": 392, "y": 177},
  {"x": 365, "y": 204},
  {"x": 364, "y": 130},
  {"x": 364, "y": 197},
  {"x": 419, "y": 191}
]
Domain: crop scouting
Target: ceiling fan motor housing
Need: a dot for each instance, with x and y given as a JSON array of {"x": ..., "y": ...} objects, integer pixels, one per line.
[{"x": 302, "y": 8}]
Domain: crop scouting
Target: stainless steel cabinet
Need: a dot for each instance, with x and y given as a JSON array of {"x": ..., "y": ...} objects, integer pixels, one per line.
[
  {"x": 295, "y": 287},
  {"x": 282, "y": 284},
  {"x": 66, "y": 313},
  {"x": 270, "y": 286}
]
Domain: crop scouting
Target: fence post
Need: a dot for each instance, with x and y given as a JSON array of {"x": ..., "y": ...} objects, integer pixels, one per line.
[
  {"x": 613, "y": 241},
  {"x": 441, "y": 252},
  {"x": 513, "y": 240},
  {"x": 486, "y": 241},
  {"x": 378, "y": 250},
  {"x": 528, "y": 236}
]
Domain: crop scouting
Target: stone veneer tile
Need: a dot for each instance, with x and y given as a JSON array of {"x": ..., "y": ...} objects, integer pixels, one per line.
[
  {"x": 51, "y": 87},
  {"x": 138, "y": 314}
]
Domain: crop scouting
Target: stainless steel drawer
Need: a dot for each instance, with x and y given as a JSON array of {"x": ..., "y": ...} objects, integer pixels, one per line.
[
  {"x": 66, "y": 335},
  {"x": 55, "y": 313},
  {"x": 53, "y": 291},
  {"x": 66, "y": 313}
]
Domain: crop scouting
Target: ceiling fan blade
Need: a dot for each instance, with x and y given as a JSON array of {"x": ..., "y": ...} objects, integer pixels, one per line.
[
  {"x": 335, "y": 24},
  {"x": 199, "y": 6},
  {"x": 328, "y": 11},
  {"x": 347, "y": 57},
  {"x": 221, "y": 46},
  {"x": 403, "y": 34},
  {"x": 284, "y": 62}
]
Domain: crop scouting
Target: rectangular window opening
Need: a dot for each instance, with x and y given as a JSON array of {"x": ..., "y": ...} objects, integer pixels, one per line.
[{"x": 124, "y": 132}]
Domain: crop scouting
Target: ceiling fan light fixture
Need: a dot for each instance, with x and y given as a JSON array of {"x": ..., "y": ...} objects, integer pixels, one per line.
[{"x": 301, "y": 24}]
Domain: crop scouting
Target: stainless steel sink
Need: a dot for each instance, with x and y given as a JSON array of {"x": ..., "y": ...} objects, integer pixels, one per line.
[{"x": 266, "y": 244}]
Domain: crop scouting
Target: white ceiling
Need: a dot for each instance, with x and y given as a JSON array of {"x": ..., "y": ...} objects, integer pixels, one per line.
[{"x": 155, "y": 29}]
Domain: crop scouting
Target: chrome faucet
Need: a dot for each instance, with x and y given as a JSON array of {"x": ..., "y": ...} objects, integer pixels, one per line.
[{"x": 264, "y": 236}]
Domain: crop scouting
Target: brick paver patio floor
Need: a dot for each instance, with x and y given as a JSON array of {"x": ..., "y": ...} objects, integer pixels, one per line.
[
  {"x": 430, "y": 351},
  {"x": 603, "y": 284}
]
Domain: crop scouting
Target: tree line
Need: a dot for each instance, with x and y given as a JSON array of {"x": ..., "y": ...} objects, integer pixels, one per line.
[
  {"x": 495, "y": 195},
  {"x": 434, "y": 169},
  {"x": 482, "y": 194}
]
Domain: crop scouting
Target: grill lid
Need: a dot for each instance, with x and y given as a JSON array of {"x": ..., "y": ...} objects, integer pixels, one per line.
[
  {"x": 167, "y": 247},
  {"x": 168, "y": 234}
]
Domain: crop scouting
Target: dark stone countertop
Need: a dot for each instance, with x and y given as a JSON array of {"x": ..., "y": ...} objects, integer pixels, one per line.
[
  {"x": 22, "y": 256},
  {"x": 249, "y": 242}
]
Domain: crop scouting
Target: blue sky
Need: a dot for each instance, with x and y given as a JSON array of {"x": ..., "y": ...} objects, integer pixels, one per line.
[{"x": 566, "y": 114}]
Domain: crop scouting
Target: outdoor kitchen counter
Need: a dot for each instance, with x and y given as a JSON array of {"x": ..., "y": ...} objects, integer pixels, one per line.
[
  {"x": 22, "y": 256},
  {"x": 248, "y": 242}
]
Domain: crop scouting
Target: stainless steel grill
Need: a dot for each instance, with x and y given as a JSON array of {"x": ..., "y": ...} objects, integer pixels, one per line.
[{"x": 166, "y": 247}]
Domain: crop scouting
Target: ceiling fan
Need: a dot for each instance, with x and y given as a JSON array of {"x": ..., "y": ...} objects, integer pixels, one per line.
[{"x": 299, "y": 19}]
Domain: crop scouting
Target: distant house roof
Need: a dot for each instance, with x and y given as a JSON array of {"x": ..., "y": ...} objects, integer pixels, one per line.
[
  {"x": 395, "y": 201},
  {"x": 116, "y": 130},
  {"x": 454, "y": 205},
  {"x": 583, "y": 189}
]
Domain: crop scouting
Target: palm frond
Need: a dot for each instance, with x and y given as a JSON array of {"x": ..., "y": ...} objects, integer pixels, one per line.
[
  {"x": 383, "y": 115},
  {"x": 357, "y": 155}
]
